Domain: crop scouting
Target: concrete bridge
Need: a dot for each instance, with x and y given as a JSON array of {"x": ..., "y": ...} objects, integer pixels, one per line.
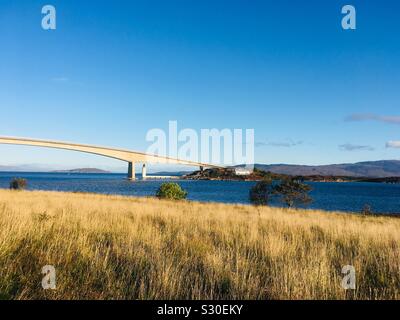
[{"x": 129, "y": 156}]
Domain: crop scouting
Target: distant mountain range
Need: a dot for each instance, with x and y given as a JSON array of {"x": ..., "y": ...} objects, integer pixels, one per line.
[
  {"x": 368, "y": 169},
  {"x": 39, "y": 168},
  {"x": 82, "y": 170}
]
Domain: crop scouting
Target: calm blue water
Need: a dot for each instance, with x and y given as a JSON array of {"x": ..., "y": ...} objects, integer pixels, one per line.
[{"x": 383, "y": 198}]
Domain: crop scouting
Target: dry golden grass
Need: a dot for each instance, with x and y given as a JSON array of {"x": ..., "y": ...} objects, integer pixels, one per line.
[{"x": 111, "y": 247}]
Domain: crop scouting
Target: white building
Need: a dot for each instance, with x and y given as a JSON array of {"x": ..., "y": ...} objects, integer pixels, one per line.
[{"x": 242, "y": 171}]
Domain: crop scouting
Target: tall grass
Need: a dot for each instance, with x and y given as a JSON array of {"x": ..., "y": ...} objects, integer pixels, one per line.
[{"x": 111, "y": 247}]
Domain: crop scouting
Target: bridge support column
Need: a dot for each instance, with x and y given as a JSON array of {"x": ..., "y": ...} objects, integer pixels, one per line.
[
  {"x": 144, "y": 172},
  {"x": 131, "y": 171}
]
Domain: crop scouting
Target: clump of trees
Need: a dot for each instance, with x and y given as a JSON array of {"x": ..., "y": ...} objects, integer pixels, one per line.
[
  {"x": 18, "y": 184},
  {"x": 290, "y": 191},
  {"x": 172, "y": 191}
]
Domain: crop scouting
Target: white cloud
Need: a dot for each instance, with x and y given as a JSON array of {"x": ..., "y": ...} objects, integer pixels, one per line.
[
  {"x": 285, "y": 144},
  {"x": 373, "y": 117},
  {"x": 355, "y": 147},
  {"x": 393, "y": 144}
]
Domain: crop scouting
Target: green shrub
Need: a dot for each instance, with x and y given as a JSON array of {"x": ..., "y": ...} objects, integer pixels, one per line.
[
  {"x": 18, "y": 184},
  {"x": 171, "y": 190}
]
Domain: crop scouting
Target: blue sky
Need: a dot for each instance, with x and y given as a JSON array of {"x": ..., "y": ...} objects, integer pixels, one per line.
[{"x": 112, "y": 70}]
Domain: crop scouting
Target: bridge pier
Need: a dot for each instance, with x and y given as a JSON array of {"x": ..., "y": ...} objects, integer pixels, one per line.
[
  {"x": 144, "y": 172},
  {"x": 131, "y": 171}
]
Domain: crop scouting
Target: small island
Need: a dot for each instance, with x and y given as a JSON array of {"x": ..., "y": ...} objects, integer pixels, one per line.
[{"x": 233, "y": 174}]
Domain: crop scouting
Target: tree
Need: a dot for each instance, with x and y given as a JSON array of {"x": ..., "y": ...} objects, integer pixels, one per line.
[
  {"x": 293, "y": 192},
  {"x": 18, "y": 184},
  {"x": 261, "y": 192},
  {"x": 172, "y": 191}
]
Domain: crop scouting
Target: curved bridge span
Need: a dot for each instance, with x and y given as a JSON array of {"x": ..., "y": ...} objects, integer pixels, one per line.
[{"x": 129, "y": 156}]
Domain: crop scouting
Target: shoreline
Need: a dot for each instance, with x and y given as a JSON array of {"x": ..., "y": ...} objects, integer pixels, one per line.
[
  {"x": 248, "y": 205},
  {"x": 239, "y": 178}
]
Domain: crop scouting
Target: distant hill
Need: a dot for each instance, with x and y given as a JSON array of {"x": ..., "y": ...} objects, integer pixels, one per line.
[
  {"x": 368, "y": 169},
  {"x": 82, "y": 170}
]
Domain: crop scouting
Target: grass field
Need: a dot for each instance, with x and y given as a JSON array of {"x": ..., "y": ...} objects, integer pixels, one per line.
[{"x": 111, "y": 247}]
